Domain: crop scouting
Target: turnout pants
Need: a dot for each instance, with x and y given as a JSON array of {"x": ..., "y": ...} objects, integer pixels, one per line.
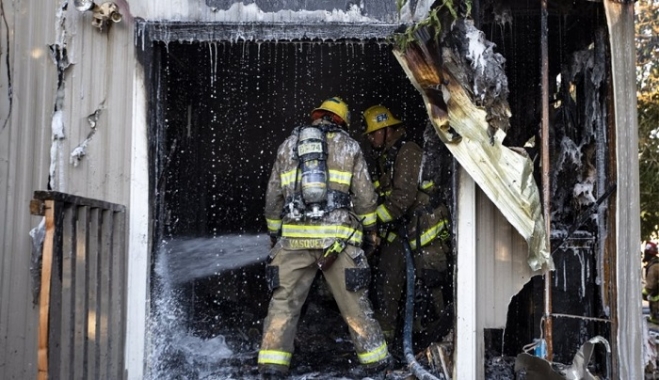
[
  {"x": 654, "y": 312},
  {"x": 290, "y": 275},
  {"x": 390, "y": 278}
]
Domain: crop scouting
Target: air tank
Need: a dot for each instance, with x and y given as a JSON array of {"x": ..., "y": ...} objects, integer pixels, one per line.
[{"x": 312, "y": 154}]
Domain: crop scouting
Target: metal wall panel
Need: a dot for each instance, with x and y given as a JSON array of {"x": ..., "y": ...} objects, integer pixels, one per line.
[
  {"x": 100, "y": 79},
  {"x": 22, "y": 153},
  {"x": 502, "y": 270},
  {"x": 101, "y": 72}
]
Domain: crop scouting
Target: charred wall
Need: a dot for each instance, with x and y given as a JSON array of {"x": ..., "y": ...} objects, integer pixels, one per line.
[
  {"x": 514, "y": 26},
  {"x": 578, "y": 90}
]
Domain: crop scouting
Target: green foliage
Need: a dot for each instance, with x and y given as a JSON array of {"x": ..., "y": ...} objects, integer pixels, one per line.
[
  {"x": 647, "y": 47},
  {"x": 647, "y": 44},
  {"x": 433, "y": 21},
  {"x": 648, "y": 141}
]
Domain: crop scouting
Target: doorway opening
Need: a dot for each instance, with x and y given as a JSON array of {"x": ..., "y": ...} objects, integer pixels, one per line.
[{"x": 221, "y": 109}]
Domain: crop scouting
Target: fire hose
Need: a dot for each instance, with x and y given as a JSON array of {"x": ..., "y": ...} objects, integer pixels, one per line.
[{"x": 416, "y": 368}]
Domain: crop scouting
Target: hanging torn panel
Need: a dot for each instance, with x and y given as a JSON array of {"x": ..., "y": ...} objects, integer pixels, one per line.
[{"x": 451, "y": 86}]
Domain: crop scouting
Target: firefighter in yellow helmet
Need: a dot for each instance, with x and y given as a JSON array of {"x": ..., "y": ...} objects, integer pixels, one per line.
[
  {"x": 320, "y": 206},
  {"x": 407, "y": 201}
]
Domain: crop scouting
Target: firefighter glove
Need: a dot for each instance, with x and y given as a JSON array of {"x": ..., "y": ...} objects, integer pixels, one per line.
[{"x": 371, "y": 242}]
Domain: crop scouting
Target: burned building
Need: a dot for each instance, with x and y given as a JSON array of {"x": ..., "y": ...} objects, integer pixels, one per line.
[{"x": 170, "y": 115}]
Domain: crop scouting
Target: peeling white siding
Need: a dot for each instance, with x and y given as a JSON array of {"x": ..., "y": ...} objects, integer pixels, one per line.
[{"x": 100, "y": 78}]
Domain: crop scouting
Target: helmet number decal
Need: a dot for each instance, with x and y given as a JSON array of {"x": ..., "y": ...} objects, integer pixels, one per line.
[{"x": 381, "y": 117}]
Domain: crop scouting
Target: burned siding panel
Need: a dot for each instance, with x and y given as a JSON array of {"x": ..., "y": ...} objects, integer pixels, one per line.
[{"x": 384, "y": 10}]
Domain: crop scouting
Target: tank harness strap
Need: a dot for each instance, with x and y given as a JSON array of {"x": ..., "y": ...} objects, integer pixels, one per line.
[{"x": 335, "y": 200}]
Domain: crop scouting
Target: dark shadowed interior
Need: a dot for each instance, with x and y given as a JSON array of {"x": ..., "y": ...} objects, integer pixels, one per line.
[
  {"x": 226, "y": 108},
  {"x": 229, "y": 106}
]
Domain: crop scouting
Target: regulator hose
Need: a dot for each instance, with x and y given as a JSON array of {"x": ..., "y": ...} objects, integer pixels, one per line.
[{"x": 416, "y": 368}]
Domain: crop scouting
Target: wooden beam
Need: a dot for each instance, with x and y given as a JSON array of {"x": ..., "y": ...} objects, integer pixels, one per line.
[
  {"x": 44, "y": 293},
  {"x": 546, "y": 185}
]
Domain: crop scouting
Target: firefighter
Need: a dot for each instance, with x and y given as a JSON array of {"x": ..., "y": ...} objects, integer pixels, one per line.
[
  {"x": 320, "y": 206},
  {"x": 651, "y": 289},
  {"x": 407, "y": 201}
]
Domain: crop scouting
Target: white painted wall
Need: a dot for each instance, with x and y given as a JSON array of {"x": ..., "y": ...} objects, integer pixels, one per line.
[
  {"x": 139, "y": 237},
  {"x": 492, "y": 267},
  {"x": 469, "y": 334}
]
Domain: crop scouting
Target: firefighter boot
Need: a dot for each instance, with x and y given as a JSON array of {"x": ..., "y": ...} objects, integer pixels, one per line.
[
  {"x": 395, "y": 345},
  {"x": 273, "y": 371},
  {"x": 375, "y": 371}
]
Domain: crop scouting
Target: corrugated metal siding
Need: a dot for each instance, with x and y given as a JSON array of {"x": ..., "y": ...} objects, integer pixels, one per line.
[
  {"x": 100, "y": 78},
  {"x": 502, "y": 268},
  {"x": 102, "y": 70},
  {"x": 26, "y": 162}
]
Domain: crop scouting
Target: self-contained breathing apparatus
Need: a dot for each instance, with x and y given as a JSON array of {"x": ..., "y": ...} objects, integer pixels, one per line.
[
  {"x": 315, "y": 198},
  {"x": 312, "y": 153}
]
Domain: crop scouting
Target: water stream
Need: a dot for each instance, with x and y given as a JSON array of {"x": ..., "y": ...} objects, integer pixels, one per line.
[{"x": 176, "y": 352}]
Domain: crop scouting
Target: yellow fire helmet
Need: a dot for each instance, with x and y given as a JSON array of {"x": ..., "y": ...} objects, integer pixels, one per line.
[
  {"x": 336, "y": 106},
  {"x": 378, "y": 117}
]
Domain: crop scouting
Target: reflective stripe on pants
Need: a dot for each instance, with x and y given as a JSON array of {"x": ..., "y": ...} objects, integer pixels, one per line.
[{"x": 296, "y": 270}]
